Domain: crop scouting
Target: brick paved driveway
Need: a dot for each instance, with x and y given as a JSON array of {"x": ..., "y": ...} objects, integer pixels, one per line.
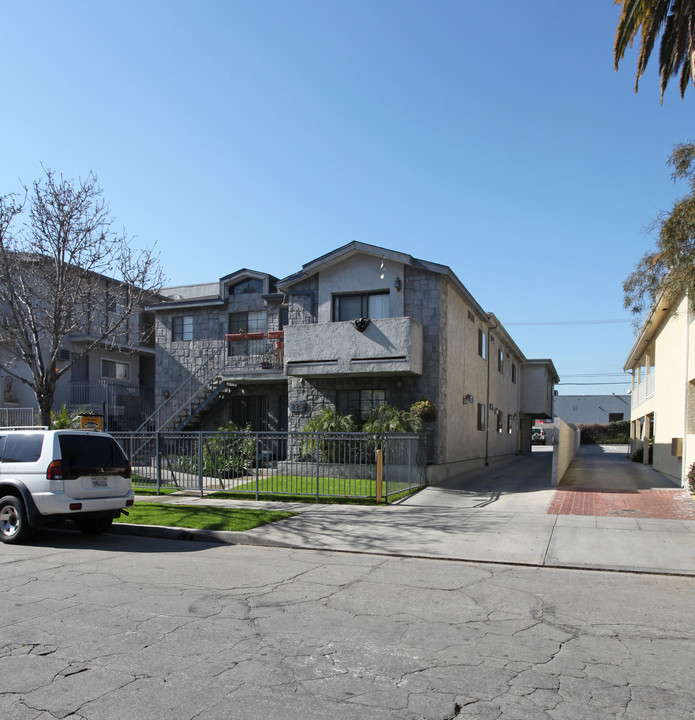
[{"x": 603, "y": 482}]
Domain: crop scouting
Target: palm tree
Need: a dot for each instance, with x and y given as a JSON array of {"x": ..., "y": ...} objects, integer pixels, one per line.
[{"x": 674, "y": 21}]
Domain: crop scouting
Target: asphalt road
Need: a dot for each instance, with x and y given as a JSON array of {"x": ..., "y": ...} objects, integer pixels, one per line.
[{"x": 118, "y": 626}]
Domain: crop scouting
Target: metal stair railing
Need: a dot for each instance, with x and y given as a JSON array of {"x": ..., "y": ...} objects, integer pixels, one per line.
[{"x": 182, "y": 398}]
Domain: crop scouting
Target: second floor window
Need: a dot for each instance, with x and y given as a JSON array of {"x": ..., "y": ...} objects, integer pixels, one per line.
[
  {"x": 482, "y": 344},
  {"x": 360, "y": 305},
  {"x": 252, "y": 285},
  {"x": 182, "y": 327}
]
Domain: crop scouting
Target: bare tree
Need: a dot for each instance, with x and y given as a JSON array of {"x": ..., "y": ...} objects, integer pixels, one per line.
[{"x": 63, "y": 272}]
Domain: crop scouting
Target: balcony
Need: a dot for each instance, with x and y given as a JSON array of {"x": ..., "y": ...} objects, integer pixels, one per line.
[
  {"x": 254, "y": 356},
  {"x": 644, "y": 390},
  {"x": 387, "y": 346}
]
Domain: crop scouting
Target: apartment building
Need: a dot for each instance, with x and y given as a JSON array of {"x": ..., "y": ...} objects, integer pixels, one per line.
[
  {"x": 663, "y": 388},
  {"x": 356, "y": 328}
]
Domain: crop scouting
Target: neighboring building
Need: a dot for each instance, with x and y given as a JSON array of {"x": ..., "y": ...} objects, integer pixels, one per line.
[
  {"x": 590, "y": 409},
  {"x": 663, "y": 388},
  {"x": 115, "y": 379},
  {"x": 356, "y": 328}
]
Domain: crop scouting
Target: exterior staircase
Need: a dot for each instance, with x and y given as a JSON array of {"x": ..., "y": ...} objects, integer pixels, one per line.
[{"x": 198, "y": 391}]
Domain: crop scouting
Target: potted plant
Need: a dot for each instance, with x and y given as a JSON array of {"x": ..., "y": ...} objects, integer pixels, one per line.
[{"x": 424, "y": 410}]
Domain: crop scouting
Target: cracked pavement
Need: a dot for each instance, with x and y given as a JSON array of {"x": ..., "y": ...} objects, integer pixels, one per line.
[{"x": 102, "y": 628}]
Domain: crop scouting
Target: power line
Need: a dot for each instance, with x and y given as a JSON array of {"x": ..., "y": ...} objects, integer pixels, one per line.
[
  {"x": 595, "y": 375},
  {"x": 594, "y": 383},
  {"x": 567, "y": 322}
]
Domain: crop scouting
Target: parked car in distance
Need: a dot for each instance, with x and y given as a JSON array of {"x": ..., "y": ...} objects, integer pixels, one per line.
[
  {"x": 537, "y": 436},
  {"x": 48, "y": 476}
]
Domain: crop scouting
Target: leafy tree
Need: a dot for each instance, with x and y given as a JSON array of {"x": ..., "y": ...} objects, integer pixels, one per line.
[
  {"x": 674, "y": 22},
  {"x": 63, "y": 271},
  {"x": 670, "y": 269}
]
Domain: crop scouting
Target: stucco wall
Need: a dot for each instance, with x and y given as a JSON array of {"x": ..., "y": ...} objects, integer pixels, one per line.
[
  {"x": 565, "y": 446},
  {"x": 670, "y": 391},
  {"x": 359, "y": 273}
]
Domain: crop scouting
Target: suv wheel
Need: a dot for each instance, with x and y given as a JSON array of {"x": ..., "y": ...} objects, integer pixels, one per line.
[
  {"x": 14, "y": 525},
  {"x": 93, "y": 526}
]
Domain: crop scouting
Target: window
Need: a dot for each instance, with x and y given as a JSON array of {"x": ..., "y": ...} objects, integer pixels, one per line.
[
  {"x": 481, "y": 416},
  {"x": 500, "y": 415},
  {"x": 513, "y": 373},
  {"x": 182, "y": 327},
  {"x": 359, "y": 403},
  {"x": 253, "y": 321},
  {"x": 252, "y": 285},
  {"x": 509, "y": 424},
  {"x": 500, "y": 360},
  {"x": 115, "y": 370},
  {"x": 147, "y": 329},
  {"x": 482, "y": 344},
  {"x": 247, "y": 322},
  {"x": 614, "y": 417},
  {"x": 362, "y": 305},
  {"x": 21, "y": 448}
]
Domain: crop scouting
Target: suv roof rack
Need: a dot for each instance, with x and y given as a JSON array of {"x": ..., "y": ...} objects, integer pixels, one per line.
[{"x": 26, "y": 427}]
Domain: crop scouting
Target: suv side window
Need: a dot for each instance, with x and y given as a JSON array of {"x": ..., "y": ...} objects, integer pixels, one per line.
[{"x": 21, "y": 448}]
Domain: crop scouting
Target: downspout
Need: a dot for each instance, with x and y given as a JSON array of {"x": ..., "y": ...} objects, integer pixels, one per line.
[{"x": 487, "y": 403}]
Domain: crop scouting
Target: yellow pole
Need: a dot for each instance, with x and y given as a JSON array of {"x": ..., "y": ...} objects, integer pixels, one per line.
[{"x": 379, "y": 473}]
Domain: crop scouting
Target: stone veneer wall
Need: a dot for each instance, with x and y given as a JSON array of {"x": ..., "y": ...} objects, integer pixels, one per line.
[
  {"x": 425, "y": 301},
  {"x": 303, "y": 302},
  {"x": 176, "y": 360}
]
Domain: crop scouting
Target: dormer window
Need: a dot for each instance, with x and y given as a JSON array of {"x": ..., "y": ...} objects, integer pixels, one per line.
[
  {"x": 361, "y": 305},
  {"x": 250, "y": 285}
]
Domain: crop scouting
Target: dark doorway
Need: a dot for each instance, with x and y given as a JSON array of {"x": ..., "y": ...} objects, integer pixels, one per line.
[{"x": 250, "y": 410}]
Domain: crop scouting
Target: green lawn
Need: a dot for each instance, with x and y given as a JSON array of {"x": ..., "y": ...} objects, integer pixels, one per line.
[{"x": 200, "y": 517}]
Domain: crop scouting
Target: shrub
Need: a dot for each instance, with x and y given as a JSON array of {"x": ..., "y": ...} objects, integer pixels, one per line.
[
  {"x": 328, "y": 449},
  {"x": 388, "y": 419},
  {"x": 226, "y": 455},
  {"x": 638, "y": 455},
  {"x": 424, "y": 410},
  {"x": 615, "y": 433},
  {"x": 691, "y": 478},
  {"x": 65, "y": 420}
]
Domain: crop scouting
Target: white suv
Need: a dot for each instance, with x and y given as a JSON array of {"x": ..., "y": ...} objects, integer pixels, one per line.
[{"x": 47, "y": 476}]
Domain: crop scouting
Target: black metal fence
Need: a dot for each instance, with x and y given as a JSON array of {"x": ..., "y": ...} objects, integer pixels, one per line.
[{"x": 320, "y": 465}]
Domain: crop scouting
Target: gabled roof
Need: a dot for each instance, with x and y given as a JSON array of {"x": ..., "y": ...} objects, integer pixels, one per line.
[
  {"x": 207, "y": 294},
  {"x": 658, "y": 314},
  {"x": 357, "y": 248}
]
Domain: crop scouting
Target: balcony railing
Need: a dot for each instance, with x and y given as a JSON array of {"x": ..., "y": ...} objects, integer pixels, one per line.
[
  {"x": 255, "y": 351},
  {"x": 644, "y": 390}
]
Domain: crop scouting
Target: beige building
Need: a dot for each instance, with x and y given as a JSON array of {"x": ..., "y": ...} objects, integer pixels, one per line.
[{"x": 663, "y": 388}]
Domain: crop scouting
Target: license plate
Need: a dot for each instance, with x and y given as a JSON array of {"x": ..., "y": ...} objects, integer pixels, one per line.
[{"x": 100, "y": 483}]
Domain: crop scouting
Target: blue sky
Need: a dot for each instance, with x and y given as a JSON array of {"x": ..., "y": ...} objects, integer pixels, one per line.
[{"x": 495, "y": 138}]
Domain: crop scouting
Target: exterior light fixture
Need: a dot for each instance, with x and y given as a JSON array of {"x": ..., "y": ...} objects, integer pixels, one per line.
[
  {"x": 398, "y": 284},
  {"x": 468, "y": 399}
]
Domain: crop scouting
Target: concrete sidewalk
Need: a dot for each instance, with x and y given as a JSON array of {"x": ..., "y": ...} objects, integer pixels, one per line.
[{"x": 499, "y": 514}]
